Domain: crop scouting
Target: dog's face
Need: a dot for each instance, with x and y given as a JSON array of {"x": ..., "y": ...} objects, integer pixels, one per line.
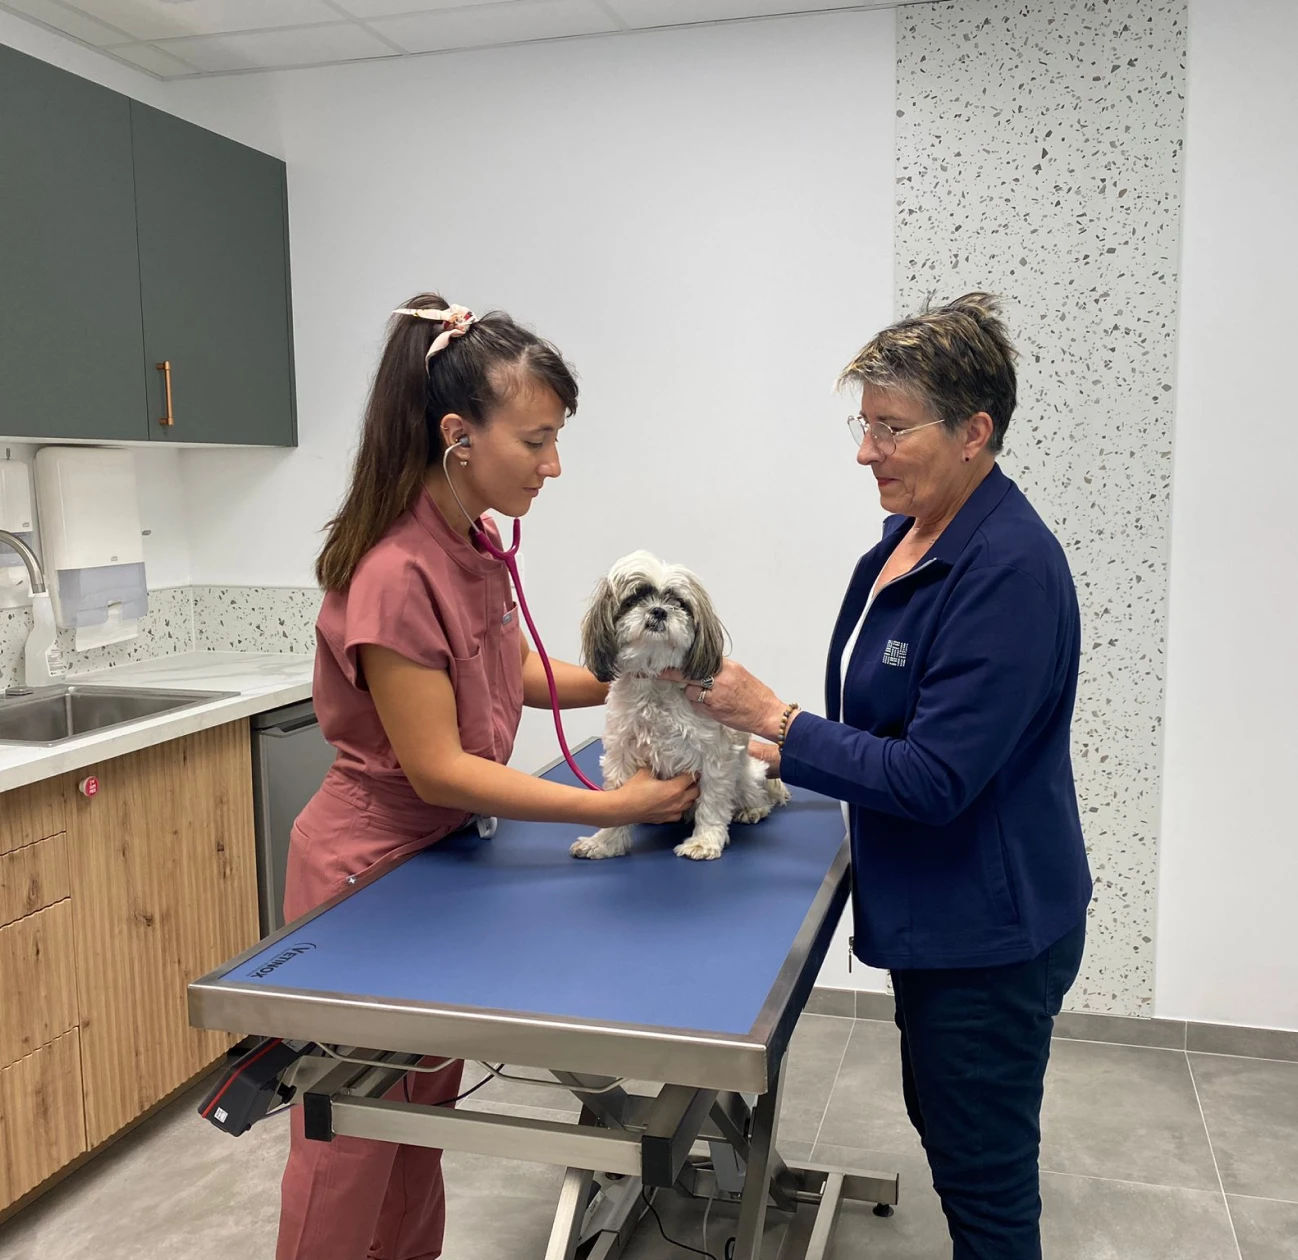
[{"x": 646, "y": 616}]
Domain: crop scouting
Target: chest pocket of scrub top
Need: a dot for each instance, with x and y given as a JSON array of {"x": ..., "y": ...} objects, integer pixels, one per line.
[{"x": 473, "y": 703}]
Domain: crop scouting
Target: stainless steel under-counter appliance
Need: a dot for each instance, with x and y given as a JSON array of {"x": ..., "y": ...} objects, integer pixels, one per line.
[{"x": 289, "y": 761}]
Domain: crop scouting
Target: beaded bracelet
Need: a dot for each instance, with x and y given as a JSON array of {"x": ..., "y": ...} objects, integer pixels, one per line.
[{"x": 784, "y": 724}]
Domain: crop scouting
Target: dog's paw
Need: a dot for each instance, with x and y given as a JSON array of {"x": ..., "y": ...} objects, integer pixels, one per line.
[
  {"x": 699, "y": 850},
  {"x": 779, "y": 794},
  {"x": 753, "y": 814},
  {"x": 598, "y": 846}
]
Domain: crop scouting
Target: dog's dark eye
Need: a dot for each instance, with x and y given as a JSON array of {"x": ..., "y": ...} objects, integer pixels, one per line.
[
  {"x": 673, "y": 597},
  {"x": 641, "y": 592}
]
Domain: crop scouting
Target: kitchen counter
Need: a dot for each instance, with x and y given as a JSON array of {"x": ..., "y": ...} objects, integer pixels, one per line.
[{"x": 261, "y": 680}]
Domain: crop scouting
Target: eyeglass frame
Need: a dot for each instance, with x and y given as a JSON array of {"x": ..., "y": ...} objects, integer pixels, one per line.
[{"x": 867, "y": 426}]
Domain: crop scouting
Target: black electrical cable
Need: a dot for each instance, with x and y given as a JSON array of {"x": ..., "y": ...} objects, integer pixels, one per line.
[
  {"x": 500, "y": 1067},
  {"x": 648, "y": 1202},
  {"x": 450, "y": 1102}
]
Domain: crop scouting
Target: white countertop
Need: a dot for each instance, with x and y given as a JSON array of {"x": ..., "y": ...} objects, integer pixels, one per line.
[{"x": 261, "y": 680}]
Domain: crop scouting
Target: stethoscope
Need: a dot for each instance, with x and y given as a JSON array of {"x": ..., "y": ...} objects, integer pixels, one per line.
[{"x": 509, "y": 559}]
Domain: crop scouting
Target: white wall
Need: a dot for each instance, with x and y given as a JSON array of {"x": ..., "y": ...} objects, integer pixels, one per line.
[
  {"x": 700, "y": 219},
  {"x": 1229, "y": 864}
]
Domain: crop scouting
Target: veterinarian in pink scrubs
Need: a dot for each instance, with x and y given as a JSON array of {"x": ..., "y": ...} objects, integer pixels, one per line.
[{"x": 420, "y": 677}]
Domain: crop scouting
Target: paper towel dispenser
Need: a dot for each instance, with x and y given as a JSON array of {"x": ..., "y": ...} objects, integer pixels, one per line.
[{"x": 90, "y": 536}]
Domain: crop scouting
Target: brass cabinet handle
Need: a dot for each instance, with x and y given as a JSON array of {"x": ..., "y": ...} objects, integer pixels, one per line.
[{"x": 165, "y": 368}]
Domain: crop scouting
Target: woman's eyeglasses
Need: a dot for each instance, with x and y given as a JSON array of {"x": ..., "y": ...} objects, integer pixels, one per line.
[{"x": 884, "y": 435}]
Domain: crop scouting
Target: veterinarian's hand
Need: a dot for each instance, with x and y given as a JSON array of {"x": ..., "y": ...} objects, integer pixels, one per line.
[
  {"x": 767, "y": 754},
  {"x": 736, "y": 699},
  {"x": 644, "y": 799}
]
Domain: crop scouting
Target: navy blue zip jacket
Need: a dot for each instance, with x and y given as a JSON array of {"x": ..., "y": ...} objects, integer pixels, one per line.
[{"x": 953, "y": 750}]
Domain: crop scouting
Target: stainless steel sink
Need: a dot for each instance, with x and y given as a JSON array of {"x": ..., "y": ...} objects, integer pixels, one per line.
[{"x": 51, "y": 715}]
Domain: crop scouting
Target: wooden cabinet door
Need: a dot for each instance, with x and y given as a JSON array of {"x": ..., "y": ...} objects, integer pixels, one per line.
[
  {"x": 32, "y": 813},
  {"x": 42, "y": 1126},
  {"x": 71, "y": 343},
  {"x": 164, "y": 877},
  {"x": 38, "y": 981},
  {"x": 33, "y": 877},
  {"x": 214, "y": 280}
]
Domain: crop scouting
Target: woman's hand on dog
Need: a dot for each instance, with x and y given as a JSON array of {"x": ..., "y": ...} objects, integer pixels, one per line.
[
  {"x": 644, "y": 799},
  {"x": 736, "y": 699}
]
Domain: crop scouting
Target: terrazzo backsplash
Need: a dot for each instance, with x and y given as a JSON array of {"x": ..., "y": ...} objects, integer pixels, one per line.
[
  {"x": 255, "y": 618},
  {"x": 185, "y": 619},
  {"x": 1039, "y": 147}
]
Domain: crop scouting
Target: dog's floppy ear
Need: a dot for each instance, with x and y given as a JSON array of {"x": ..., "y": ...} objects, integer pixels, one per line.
[
  {"x": 599, "y": 633},
  {"x": 705, "y": 656}
]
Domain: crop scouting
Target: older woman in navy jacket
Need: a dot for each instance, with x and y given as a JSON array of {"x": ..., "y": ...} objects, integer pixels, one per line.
[{"x": 949, "y": 695}]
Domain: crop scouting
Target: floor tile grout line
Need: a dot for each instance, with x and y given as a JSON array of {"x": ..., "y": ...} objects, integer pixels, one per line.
[
  {"x": 1120, "y": 1045},
  {"x": 1124, "y": 1045},
  {"x": 833, "y": 1085},
  {"x": 1212, "y": 1150},
  {"x": 1203, "y": 1054},
  {"x": 1239, "y": 1058},
  {"x": 1127, "y": 1181},
  {"x": 1261, "y": 1198}
]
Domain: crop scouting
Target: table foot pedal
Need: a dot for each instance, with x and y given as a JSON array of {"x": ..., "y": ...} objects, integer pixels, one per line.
[{"x": 251, "y": 1085}]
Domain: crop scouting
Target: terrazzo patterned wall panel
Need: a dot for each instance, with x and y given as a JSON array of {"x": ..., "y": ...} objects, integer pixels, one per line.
[
  {"x": 1039, "y": 155},
  {"x": 255, "y": 618}
]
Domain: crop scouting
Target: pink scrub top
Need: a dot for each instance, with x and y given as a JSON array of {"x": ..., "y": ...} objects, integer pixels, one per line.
[{"x": 426, "y": 593}]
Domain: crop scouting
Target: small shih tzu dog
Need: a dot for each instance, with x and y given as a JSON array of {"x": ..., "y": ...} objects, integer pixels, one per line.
[{"x": 645, "y": 617}]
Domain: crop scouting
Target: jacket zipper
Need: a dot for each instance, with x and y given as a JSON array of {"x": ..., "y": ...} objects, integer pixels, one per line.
[{"x": 901, "y": 577}]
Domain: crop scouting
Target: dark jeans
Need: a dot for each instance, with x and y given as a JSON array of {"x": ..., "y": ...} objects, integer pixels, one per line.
[{"x": 974, "y": 1048}]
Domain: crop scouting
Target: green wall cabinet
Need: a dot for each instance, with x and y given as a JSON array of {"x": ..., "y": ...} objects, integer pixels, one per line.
[
  {"x": 130, "y": 239},
  {"x": 71, "y": 343},
  {"x": 214, "y": 283}
]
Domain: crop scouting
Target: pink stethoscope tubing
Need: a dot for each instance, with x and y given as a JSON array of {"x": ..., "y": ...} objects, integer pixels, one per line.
[{"x": 509, "y": 560}]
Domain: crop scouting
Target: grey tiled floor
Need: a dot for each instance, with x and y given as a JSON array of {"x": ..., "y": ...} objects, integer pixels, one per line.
[{"x": 1148, "y": 1154}]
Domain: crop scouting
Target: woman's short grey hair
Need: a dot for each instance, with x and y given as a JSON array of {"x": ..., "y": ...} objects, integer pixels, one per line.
[{"x": 956, "y": 359}]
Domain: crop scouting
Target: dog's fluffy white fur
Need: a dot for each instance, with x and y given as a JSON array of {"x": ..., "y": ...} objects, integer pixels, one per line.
[{"x": 647, "y": 616}]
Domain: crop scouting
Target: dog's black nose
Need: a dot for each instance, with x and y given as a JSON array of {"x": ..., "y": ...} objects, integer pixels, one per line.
[{"x": 658, "y": 614}]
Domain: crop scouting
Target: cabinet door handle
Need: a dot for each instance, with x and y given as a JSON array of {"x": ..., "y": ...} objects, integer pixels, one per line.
[{"x": 165, "y": 368}]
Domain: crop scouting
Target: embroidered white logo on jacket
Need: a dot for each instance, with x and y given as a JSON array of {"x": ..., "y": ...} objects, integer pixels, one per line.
[{"x": 895, "y": 653}]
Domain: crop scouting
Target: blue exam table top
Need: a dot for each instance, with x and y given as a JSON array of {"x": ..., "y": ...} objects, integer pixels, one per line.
[{"x": 510, "y": 948}]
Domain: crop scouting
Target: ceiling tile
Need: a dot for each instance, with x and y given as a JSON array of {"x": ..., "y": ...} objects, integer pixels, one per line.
[
  {"x": 168, "y": 19},
  {"x": 67, "y": 20},
  {"x": 151, "y": 58},
  {"x": 644, "y": 13},
  {"x": 387, "y": 8},
  {"x": 508, "y": 23},
  {"x": 266, "y": 50}
]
